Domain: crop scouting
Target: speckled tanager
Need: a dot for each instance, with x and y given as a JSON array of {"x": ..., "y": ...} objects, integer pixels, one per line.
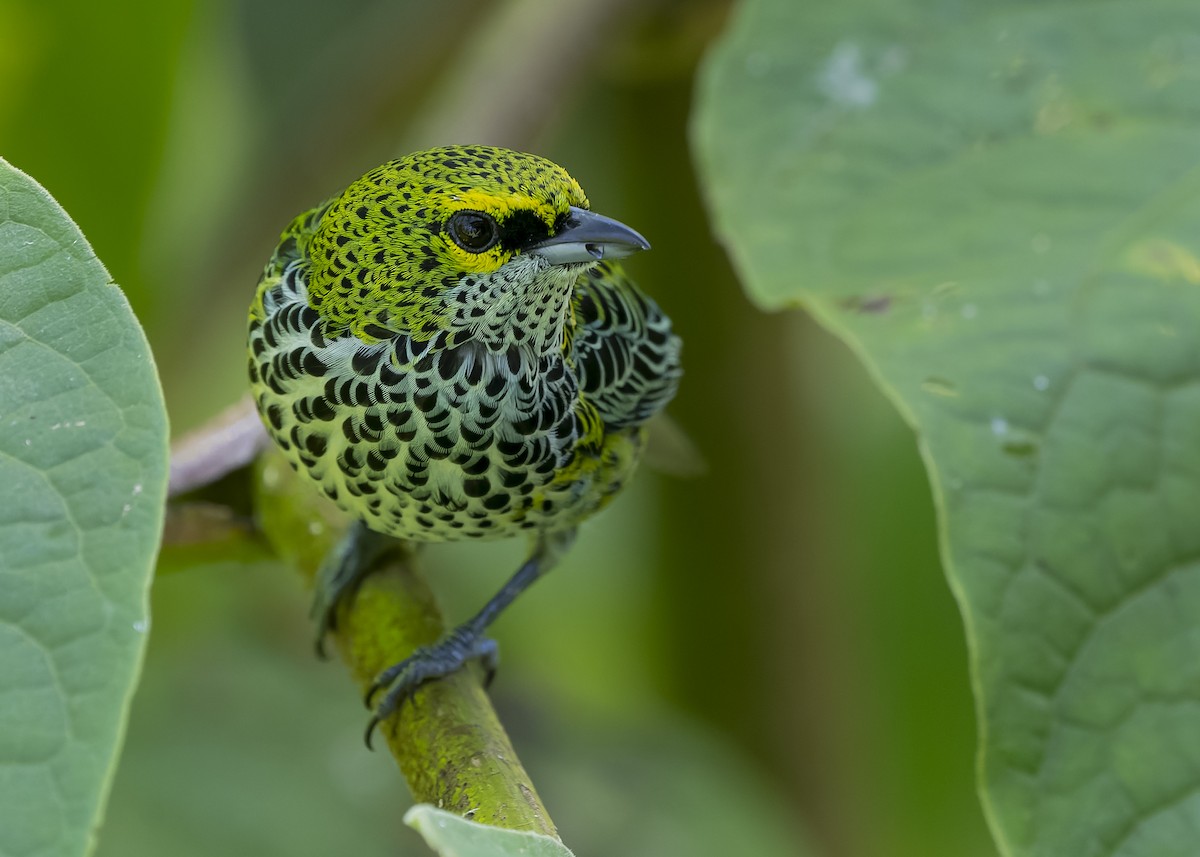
[{"x": 449, "y": 350}]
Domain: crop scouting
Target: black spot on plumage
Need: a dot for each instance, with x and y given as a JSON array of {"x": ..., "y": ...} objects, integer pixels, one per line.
[
  {"x": 312, "y": 364},
  {"x": 366, "y": 361},
  {"x": 495, "y": 386},
  {"x": 413, "y": 348},
  {"x": 425, "y": 402},
  {"x": 377, "y": 332},
  {"x": 476, "y": 487},
  {"x": 448, "y": 364},
  {"x": 476, "y": 466},
  {"x": 586, "y": 309},
  {"x": 520, "y": 458},
  {"x": 375, "y": 460},
  {"x": 373, "y": 421},
  {"x": 322, "y": 410},
  {"x": 350, "y": 461},
  {"x": 388, "y": 374},
  {"x": 642, "y": 367},
  {"x": 509, "y": 447},
  {"x": 511, "y": 478},
  {"x": 656, "y": 335},
  {"x": 316, "y": 444},
  {"x": 526, "y": 425},
  {"x": 275, "y": 416},
  {"x": 495, "y": 503},
  {"x": 333, "y": 391},
  {"x": 279, "y": 368},
  {"x": 398, "y": 417}
]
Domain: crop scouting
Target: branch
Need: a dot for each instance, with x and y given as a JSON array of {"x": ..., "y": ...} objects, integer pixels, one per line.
[
  {"x": 447, "y": 739},
  {"x": 229, "y": 441}
]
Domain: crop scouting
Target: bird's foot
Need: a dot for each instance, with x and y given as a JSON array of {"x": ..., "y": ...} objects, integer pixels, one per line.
[{"x": 427, "y": 663}]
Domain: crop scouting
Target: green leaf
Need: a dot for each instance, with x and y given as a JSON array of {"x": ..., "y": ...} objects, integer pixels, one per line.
[
  {"x": 997, "y": 206},
  {"x": 450, "y": 835},
  {"x": 83, "y": 465}
]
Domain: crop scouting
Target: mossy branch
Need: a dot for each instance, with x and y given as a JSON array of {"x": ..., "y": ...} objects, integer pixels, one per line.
[{"x": 447, "y": 739}]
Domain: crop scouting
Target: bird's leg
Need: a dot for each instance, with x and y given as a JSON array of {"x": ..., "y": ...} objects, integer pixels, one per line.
[
  {"x": 467, "y": 641},
  {"x": 342, "y": 571}
]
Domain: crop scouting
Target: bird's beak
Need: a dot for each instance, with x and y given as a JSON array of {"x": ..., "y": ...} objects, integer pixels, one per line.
[{"x": 589, "y": 237}]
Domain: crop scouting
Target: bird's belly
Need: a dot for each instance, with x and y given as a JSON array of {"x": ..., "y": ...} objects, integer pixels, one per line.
[{"x": 431, "y": 462}]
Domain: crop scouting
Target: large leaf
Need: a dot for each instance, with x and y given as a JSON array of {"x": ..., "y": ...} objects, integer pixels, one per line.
[
  {"x": 997, "y": 206},
  {"x": 83, "y": 465},
  {"x": 450, "y": 835}
]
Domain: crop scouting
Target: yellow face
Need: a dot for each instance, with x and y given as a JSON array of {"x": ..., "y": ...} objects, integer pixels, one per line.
[{"x": 405, "y": 233}]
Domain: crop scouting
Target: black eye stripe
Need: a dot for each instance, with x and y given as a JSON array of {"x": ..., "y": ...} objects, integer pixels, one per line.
[
  {"x": 522, "y": 229},
  {"x": 473, "y": 231}
]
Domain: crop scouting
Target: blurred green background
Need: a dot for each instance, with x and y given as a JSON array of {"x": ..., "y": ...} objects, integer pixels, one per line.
[{"x": 741, "y": 662}]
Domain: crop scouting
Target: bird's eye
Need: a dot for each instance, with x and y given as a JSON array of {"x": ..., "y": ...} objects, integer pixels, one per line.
[{"x": 472, "y": 231}]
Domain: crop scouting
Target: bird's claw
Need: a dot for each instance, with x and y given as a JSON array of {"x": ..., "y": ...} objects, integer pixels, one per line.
[{"x": 426, "y": 664}]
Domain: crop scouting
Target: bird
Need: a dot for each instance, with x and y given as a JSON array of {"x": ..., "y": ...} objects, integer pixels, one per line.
[{"x": 449, "y": 350}]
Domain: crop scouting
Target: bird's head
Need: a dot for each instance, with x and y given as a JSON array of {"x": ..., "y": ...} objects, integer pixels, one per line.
[{"x": 469, "y": 238}]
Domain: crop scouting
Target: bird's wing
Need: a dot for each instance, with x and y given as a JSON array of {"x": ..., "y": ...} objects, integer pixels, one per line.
[{"x": 625, "y": 355}]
